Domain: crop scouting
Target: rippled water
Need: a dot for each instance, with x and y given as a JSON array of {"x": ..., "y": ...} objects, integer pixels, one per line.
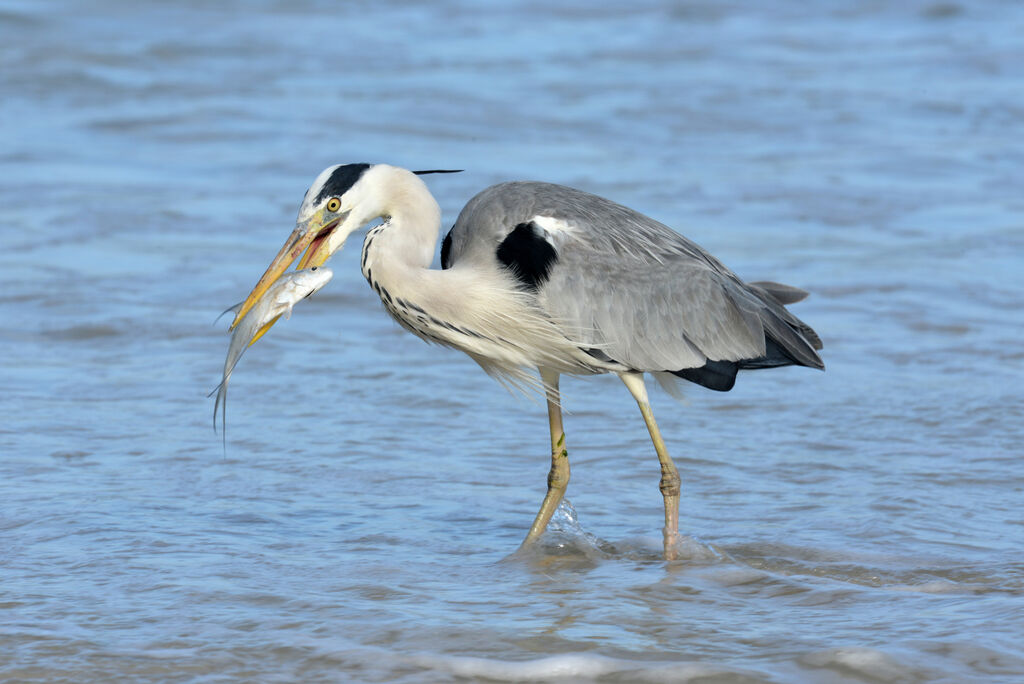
[{"x": 863, "y": 524}]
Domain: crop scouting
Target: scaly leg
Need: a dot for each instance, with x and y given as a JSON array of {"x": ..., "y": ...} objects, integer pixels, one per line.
[
  {"x": 558, "y": 476},
  {"x": 669, "y": 475}
]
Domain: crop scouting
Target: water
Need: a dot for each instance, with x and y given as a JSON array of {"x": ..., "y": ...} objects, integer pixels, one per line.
[{"x": 858, "y": 525}]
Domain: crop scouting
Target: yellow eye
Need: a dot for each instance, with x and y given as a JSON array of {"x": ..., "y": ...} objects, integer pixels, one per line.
[{"x": 333, "y": 204}]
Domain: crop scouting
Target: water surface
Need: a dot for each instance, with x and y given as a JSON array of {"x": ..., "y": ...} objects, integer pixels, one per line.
[{"x": 858, "y": 525}]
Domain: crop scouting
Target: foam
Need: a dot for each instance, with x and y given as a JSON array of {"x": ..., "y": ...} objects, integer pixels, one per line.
[
  {"x": 566, "y": 537},
  {"x": 576, "y": 667},
  {"x": 864, "y": 662}
]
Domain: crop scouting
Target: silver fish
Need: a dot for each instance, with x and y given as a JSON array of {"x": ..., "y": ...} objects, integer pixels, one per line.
[{"x": 278, "y": 301}]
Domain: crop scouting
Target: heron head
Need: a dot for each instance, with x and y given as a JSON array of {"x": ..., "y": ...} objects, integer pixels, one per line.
[{"x": 342, "y": 199}]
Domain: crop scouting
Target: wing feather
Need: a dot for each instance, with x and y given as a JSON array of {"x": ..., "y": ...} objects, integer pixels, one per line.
[{"x": 632, "y": 287}]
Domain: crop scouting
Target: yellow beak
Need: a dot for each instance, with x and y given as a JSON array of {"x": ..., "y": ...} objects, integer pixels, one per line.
[{"x": 311, "y": 237}]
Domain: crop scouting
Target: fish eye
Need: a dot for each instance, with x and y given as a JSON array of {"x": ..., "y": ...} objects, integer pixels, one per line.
[
  {"x": 313, "y": 269},
  {"x": 333, "y": 204}
]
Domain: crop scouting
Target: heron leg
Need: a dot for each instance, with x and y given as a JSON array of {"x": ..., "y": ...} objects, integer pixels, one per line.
[
  {"x": 669, "y": 475},
  {"x": 558, "y": 476}
]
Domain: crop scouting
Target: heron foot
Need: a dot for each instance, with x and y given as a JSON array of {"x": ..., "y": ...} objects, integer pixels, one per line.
[
  {"x": 558, "y": 476},
  {"x": 558, "y": 481},
  {"x": 670, "y": 489},
  {"x": 671, "y": 545}
]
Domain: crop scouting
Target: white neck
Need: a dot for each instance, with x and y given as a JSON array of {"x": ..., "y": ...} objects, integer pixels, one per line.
[{"x": 413, "y": 218}]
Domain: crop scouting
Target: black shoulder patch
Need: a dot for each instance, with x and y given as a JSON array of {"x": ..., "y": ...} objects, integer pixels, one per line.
[
  {"x": 527, "y": 254},
  {"x": 446, "y": 250},
  {"x": 343, "y": 178}
]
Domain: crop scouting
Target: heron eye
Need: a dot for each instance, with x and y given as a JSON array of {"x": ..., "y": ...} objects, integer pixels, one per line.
[{"x": 333, "y": 204}]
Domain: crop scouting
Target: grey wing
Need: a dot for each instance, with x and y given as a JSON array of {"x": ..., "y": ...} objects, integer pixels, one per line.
[
  {"x": 633, "y": 289},
  {"x": 661, "y": 318},
  {"x": 674, "y": 316}
]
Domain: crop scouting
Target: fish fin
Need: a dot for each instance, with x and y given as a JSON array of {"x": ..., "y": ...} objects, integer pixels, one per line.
[
  {"x": 230, "y": 309},
  {"x": 263, "y": 331},
  {"x": 220, "y": 390},
  {"x": 221, "y": 403}
]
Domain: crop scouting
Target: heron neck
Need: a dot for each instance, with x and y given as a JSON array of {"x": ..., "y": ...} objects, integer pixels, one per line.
[
  {"x": 412, "y": 223},
  {"x": 398, "y": 251}
]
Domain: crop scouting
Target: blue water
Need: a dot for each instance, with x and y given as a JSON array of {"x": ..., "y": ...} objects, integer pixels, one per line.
[{"x": 858, "y": 525}]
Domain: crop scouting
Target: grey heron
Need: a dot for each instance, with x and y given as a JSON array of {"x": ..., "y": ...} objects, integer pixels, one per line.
[{"x": 542, "y": 277}]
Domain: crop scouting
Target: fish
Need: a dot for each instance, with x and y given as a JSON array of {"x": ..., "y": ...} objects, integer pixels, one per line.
[{"x": 278, "y": 301}]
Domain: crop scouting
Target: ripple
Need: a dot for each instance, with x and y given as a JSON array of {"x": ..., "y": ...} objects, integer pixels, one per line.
[
  {"x": 862, "y": 524},
  {"x": 84, "y": 332}
]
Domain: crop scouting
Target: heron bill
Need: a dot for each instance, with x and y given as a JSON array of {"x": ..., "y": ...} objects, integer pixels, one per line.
[{"x": 311, "y": 238}]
